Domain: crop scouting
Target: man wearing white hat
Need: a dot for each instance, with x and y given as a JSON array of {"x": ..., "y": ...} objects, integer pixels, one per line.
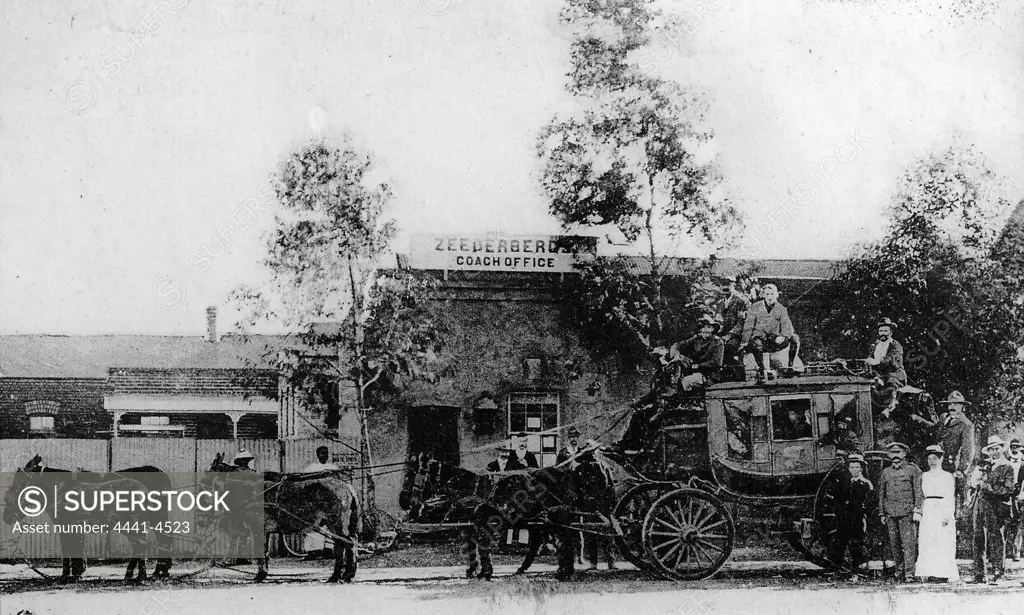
[
  {"x": 242, "y": 461},
  {"x": 992, "y": 481},
  {"x": 506, "y": 460}
]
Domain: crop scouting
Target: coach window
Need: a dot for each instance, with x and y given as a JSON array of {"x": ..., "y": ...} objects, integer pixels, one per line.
[
  {"x": 535, "y": 413},
  {"x": 791, "y": 418}
]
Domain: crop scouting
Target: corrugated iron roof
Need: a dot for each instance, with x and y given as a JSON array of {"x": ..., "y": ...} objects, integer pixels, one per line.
[{"x": 90, "y": 356}]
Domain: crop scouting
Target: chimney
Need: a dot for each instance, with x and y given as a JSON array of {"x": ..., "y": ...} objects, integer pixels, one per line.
[{"x": 211, "y": 324}]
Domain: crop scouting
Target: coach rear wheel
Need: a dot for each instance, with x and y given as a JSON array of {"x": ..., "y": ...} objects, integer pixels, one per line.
[
  {"x": 817, "y": 547},
  {"x": 629, "y": 512},
  {"x": 688, "y": 534},
  {"x": 380, "y": 531}
]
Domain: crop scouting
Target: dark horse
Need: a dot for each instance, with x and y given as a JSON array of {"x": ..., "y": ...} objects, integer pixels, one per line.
[
  {"x": 73, "y": 567},
  {"x": 548, "y": 502},
  {"x": 309, "y": 501}
]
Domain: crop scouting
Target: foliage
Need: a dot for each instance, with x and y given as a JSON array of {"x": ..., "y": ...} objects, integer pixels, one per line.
[
  {"x": 945, "y": 276},
  {"x": 636, "y": 158},
  {"x": 353, "y": 321}
]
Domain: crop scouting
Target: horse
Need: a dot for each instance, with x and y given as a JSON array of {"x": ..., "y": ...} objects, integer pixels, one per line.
[
  {"x": 72, "y": 568},
  {"x": 546, "y": 501},
  {"x": 310, "y": 501}
]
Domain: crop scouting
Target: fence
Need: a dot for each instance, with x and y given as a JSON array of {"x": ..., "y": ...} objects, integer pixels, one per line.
[{"x": 172, "y": 455}]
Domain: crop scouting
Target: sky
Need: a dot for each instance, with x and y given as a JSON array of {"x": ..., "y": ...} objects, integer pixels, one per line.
[{"x": 137, "y": 137}]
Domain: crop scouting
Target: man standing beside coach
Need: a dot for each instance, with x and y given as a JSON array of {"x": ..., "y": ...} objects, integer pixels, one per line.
[{"x": 901, "y": 500}]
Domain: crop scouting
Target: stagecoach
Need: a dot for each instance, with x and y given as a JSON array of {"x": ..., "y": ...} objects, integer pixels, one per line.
[
  {"x": 770, "y": 453},
  {"x": 774, "y": 450}
]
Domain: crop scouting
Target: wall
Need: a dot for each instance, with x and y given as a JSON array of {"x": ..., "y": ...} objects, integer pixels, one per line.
[
  {"x": 493, "y": 323},
  {"x": 172, "y": 455},
  {"x": 485, "y": 349},
  {"x": 81, "y": 412},
  {"x": 169, "y": 454}
]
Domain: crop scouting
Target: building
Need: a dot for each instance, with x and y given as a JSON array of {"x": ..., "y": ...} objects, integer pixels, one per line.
[
  {"x": 103, "y": 386},
  {"x": 510, "y": 364}
]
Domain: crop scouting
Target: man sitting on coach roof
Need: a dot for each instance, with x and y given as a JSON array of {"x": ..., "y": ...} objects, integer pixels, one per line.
[
  {"x": 769, "y": 329},
  {"x": 699, "y": 357}
]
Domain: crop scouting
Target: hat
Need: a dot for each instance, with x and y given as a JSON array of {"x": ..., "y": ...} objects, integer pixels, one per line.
[
  {"x": 935, "y": 449},
  {"x": 506, "y": 447},
  {"x": 897, "y": 447},
  {"x": 707, "y": 319},
  {"x": 572, "y": 432},
  {"x": 852, "y": 457},
  {"x": 993, "y": 443},
  {"x": 886, "y": 322},
  {"x": 242, "y": 456},
  {"x": 1015, "y": 443},
  {"x": 322, "y": 448},
  {"x": 956, "y": 397}
]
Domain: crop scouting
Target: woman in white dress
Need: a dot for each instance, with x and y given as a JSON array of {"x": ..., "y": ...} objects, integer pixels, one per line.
[{"x": 936, "y": 557}]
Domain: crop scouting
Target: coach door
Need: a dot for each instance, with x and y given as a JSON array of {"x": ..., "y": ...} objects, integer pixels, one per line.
[
  {"x": 434, "y": 430},
  {"x": 792, "y": 422}
]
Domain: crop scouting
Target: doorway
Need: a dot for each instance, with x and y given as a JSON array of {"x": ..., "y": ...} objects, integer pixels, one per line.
[{"x": 434, "y": 430}]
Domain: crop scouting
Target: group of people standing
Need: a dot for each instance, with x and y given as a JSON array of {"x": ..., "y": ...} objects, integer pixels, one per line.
[{"x": 919, "y": 510}]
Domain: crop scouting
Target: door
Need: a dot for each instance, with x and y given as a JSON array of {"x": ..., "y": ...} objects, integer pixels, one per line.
[
  {"x": 434, "y": 430},
  {"x": 792, "y": 434}
]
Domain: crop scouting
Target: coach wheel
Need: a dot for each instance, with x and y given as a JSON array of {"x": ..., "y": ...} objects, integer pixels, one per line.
[
  {"x": 828, "y": 504},
  {"x": 380, "y": 531},
  {"x": 816, "y": 545},
  {"x": 688, "y": 534},
  {"x": 629, "y": 512},
  {"x": 294, "y": 544}
]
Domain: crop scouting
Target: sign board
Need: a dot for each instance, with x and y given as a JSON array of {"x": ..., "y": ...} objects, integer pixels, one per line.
[{"x": 499, "y": 252}]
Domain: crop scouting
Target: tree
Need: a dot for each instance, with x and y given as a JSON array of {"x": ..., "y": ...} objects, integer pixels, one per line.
[
  {"x": 945, "y": 276},
  {"x": 358, "y": 326},
  {"x": 636, "y": 159}
]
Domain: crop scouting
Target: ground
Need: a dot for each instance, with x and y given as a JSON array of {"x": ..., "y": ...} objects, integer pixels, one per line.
[{"x": 428, "y": 579}]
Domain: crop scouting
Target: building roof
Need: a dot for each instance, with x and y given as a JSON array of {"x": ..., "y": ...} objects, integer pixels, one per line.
[
  {"x": 90, "y": 356},
  {"x": 210, "y": 382}
]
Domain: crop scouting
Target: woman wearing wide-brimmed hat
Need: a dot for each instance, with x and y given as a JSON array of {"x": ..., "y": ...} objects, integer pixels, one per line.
[{"x": 936, "y": 556}]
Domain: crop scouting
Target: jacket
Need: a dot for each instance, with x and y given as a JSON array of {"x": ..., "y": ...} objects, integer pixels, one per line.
[
  {"x": 891, "y": 367},
  {"x": 512, "y": 464},
  {"x": 957, "y": 440},
  {"x": 565, "y": 453},
  {"x": 734, "y": 314},
  {"x": 998, "y": 484},
  {"x": 706, "y": 354},
  {"x": 762, "y": 323},
  {"x": 857, "y": 498},
  {"x": 900, "y": 490},
  {"x": 528, "y": 460}
]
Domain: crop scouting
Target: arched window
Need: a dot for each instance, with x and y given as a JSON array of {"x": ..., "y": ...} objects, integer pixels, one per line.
[{"x": 42, "y": 416}]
